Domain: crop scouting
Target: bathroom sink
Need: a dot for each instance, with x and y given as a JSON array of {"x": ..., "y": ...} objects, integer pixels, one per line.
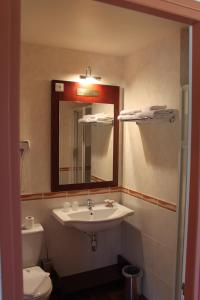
[{"x": 99, "y": 219}]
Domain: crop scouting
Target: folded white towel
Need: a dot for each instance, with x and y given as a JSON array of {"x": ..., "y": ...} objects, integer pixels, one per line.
[
  {"x": 89, "y": 117},
  {"x": 149, "y": 115},
  {"x": 104, "y": 118},
  {"x": 154, "y": 107},
  {"x": 32, "y": 279},
  {"x": 106, "y": 122},
  {"x": 155, "y": 113},
  {"x": 130, "y": 118},
  {"x": 101, "y": 117},
  {"x": 130, "y": 111},
  {"x": 83, "y": 120}
]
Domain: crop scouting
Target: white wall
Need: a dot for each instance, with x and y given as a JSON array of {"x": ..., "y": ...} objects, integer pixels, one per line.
[
  {"x": 39, "y": 65},
  {"x": 150, "y": 165},
  {"x": 150, "y": 160}
]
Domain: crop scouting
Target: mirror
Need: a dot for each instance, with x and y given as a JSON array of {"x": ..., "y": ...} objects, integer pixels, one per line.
[
  {"x": 82, "y": 154},
  {"x": 84, "y": 135}
]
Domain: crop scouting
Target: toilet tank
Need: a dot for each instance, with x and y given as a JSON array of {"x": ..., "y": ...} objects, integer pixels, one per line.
[{"x": 32, "y": 245}]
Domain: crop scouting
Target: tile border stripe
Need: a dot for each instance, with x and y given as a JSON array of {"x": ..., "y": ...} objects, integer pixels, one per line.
[
  {"x": 162, "y": 203},
  {"x": 74, "y": 193}
]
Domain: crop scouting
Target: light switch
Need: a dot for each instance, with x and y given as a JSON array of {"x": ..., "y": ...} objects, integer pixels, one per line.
[{"x": 59, "y": 87}]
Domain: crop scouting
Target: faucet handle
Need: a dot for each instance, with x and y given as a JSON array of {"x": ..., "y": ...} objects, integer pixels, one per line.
[{"x": 90, "y": 202}]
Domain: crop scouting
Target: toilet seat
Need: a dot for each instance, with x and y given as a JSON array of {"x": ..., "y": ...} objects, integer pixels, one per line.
[{"x": 44, "y": 289}]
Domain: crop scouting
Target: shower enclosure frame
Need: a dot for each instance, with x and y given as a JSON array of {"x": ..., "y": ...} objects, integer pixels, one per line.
[{"x": 186, "y": 11}]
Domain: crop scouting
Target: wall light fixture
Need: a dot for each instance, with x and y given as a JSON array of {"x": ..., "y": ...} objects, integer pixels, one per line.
[{"x": 88, "y": 77}]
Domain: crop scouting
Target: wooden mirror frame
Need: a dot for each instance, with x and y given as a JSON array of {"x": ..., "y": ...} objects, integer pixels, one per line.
[{"x": 68, "y": 92}]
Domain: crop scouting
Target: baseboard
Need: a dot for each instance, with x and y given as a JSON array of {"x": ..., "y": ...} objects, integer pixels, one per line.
[{"x": 65, "y": 286}]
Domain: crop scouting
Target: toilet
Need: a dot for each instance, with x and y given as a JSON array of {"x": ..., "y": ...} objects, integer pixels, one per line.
[{"x": 37, "y": 283}]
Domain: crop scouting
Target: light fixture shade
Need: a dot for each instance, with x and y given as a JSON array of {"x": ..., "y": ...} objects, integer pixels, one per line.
[{"x": 88, "y": 75}]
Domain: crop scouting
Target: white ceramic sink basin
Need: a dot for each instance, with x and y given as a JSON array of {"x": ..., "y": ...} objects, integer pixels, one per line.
[{"x": 102, "y": 217}]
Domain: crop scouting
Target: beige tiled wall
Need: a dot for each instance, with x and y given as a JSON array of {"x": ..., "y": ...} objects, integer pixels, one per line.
[
  {"x": 149, "y": 241},
  {"x": 150, "y": 159},
  {"x": 150, "y": 165},
  {"x": 70, "y": 249}
]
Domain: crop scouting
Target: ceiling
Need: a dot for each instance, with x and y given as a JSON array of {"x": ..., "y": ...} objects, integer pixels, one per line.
[{"x": 90, "y": 26}]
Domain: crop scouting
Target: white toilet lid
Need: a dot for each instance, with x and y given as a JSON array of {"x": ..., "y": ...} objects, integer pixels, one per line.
[{"x": 36, "y": 283}]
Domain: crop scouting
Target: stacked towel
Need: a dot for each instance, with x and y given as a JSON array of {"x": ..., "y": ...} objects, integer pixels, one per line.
[
  {"x": 154, "y": 112},
  {"x": 155, "y": 107},
  {"x": 129, "y": 111},
  {"x": 88, "y": 119},
  {"x": 104, "y": 117},
  {"x": 130, "y": 117},
  {"x": 100, "y": 118}
]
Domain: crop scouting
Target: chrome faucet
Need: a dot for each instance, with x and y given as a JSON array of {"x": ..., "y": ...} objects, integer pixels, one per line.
[{"x": 90, "y": 204}]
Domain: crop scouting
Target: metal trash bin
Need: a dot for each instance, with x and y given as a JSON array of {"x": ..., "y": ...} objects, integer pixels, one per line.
[{"x": 133, "y": 282}]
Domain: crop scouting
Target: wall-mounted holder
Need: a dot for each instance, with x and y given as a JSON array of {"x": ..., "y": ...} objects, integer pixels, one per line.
[
  {"x": 24, "y": 146},
  {"x": 166, "y": 117},
  {"x": 170, "y": 119}
]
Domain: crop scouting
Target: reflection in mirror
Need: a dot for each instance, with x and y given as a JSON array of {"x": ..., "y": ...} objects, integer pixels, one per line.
[{"x": 85, "y": 142}]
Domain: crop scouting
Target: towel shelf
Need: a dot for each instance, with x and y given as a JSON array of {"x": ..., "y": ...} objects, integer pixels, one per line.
[
  {"x": 152, "y": 114},
  {"x": 97, "y": 123},
  {"x": 170, "y": 119}
]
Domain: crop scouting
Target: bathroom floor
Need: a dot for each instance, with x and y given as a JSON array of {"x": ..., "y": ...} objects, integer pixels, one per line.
[
  {"x": 113, "y": 291},
  {"x": 106, "y": 292}
]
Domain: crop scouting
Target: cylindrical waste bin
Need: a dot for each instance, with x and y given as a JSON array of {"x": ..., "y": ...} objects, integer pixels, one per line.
[{"x": 133, "y": 282}]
